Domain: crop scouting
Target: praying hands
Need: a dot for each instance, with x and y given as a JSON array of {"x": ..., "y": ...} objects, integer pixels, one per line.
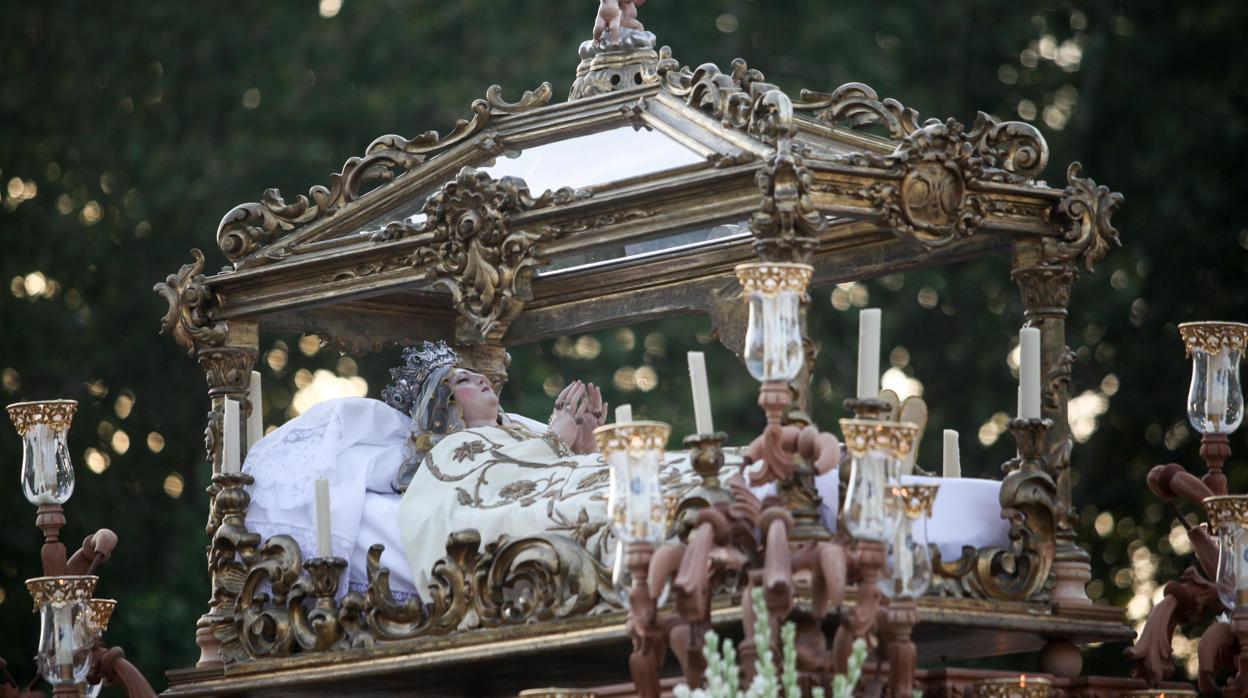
[{"x": 579, "y": 410}]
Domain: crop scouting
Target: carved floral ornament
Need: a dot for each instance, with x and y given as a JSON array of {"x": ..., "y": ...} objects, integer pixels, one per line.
[
  {"x": 474, "y": 253},
  {"x": 189, "y": 299},
  {"x": 247, "y": 228}
]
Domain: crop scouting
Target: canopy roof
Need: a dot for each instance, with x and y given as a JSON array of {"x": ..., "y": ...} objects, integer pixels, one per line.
[{"x": 533, "y": 219}]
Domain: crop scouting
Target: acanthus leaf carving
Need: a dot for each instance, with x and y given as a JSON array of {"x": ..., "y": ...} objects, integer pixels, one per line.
[
  {"x": 190, "y": 300},
  {"x": 1088, "y": 208},
  {"x": 474, "y": 253},
  {"x": 858, "y": 106},
  {"x": 248, "y": 228},
  {"x": 787, "y": 222},
  {"x": 740, "y": 99}
]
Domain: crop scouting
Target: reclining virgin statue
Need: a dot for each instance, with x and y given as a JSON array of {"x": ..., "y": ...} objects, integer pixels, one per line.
[{"x": 437, "y": 455}]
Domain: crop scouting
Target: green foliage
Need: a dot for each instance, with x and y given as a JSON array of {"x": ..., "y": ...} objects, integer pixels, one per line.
[
  {"x": 128, "y": 130},
  {"x": 723, "y": 678}
]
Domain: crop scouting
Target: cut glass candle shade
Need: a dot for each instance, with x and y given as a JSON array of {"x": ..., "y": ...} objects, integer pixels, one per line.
[{"x": 773, "y": 335}]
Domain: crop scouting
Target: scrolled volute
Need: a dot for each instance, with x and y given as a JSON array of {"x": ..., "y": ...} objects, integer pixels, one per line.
[
  {"x": 247, "y": 228},
  {"x": 190, "y": 300},
  {"x": 857, "y": 106},
  {"x": 1020, "y": 571},
  {"x": 1088, "y": 209}
]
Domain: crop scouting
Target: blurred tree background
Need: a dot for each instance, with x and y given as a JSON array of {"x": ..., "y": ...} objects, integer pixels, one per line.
[{"x": 127, "y": 130}]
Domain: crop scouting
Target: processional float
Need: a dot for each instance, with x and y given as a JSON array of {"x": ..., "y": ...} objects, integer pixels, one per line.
[{"x": 723, "y": 196}]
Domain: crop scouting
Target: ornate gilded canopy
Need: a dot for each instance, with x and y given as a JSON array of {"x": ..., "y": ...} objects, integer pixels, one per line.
[{"x": 634, "y": 199}]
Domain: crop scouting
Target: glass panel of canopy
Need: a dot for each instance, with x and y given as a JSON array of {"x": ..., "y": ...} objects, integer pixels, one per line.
[{"x": 590, "y": 160}]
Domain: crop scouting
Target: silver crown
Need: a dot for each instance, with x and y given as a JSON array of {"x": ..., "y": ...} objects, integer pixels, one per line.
[{"x": 418, "y": 364}]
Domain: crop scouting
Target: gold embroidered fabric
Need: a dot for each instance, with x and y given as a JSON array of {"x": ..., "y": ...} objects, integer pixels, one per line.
[{"x": 509, "y": 480}]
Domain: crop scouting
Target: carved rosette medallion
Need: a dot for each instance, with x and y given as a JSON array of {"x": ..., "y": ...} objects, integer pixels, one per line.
[{"x": 1213, "y": 337}]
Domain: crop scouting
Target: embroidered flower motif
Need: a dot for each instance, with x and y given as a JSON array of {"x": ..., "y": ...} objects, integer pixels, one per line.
[
  {"x": 593, "y": 480},
  {"x": 462, "y": 496},
  {"x": 517, "y": 489},
  {"x": 468, "y": 450}
]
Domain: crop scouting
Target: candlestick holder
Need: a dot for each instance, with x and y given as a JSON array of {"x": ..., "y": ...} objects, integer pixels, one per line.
[
  {"x": 648, "y": 641},
  {"x": 867, "y": 408},
  {"x": 319, "y": 628},
  {"x": 706, "y": 455}
]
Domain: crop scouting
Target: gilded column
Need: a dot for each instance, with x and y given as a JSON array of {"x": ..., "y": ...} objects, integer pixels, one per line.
[
  {"x": 1046, "y": 295},
  {"x": 226, "y": 352}
]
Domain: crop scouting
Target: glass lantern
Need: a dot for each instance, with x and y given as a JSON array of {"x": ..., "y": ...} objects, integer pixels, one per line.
[
  {"x": 47, "y": 471},
  {"x": 64, "y": 655},
  {"x": 635, "y": 452},
  {"x": 773, "y": 335},
  {"x": 909, "y": 571},
  {"x": 1215, "y": 401},
  {"x": 877, "y": 450},
  {"x": 1228, "y": 520}
]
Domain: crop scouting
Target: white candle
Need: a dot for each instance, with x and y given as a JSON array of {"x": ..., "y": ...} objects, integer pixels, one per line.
[
  {"x": 1029, "y": 373},
  {"x": 324, "y": 545},
  {"x": 701, "y": 394},
  {"x": 63, "y": 618},
  {"x": 624, "y": 413},
  {"x": 255, "y": 421},
  {"x": 953, "y": 459},
  {"x": 1215, "y": 389},
  {"x": 230, "y": 442},
  {"x": 869, "y": 354}
]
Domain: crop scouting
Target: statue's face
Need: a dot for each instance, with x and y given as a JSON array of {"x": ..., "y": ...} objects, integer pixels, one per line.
[{"x": 475, "y": 397}]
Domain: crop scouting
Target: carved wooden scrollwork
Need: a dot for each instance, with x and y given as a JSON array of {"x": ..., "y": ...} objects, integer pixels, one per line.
[
  {"x": 740, "y": 99},
  {"x": 936, "y": 201},
  {"x": 857, "y": 105},
  {"x": 1088, "y": 208},
  {"x": 272, "y": 603},
  {"x": 787, "y": 221},
  {"x": 189, "y": 300},
  {"x": 475, "y": 254},
  {"x": 247, "y": 228},
  {"x": 1021, "y": 570}
]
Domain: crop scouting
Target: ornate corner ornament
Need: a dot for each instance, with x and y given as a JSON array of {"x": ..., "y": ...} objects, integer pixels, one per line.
[
  {"x": 1088, "y": 208},
  {"x": 247, "y": 228},
  {"x": 473, "y": 251},
  {"x": 189, "y": 300}
]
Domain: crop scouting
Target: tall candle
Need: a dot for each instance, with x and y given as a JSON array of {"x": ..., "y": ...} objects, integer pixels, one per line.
[
  {"x": 701, "y": 394},
  {"x": 324, "y": 545},
  {"x": 230, "y": 443},
  {"x": 952, "y": 459},
  {"x": 1029, "y": 373},
  {"x": 255, "y": 420},
  {"x": 624, "y": 413},
  {"x": 63, "y": 618},
  {"x": 869, "y": 354}
]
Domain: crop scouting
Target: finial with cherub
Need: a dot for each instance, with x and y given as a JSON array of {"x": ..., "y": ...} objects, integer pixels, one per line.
[{"x": 614, "y": 16}]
